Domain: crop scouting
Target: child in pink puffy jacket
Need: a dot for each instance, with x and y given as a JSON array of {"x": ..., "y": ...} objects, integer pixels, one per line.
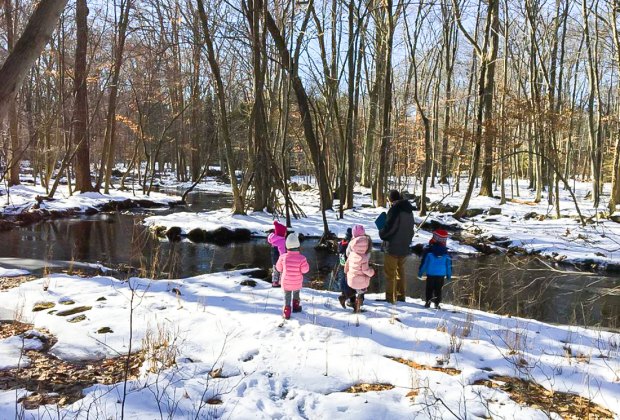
[
  {"x": 292, "y": 267},
  {"x": 357, "y": 267},
  {"x": 277, "y": 240}
]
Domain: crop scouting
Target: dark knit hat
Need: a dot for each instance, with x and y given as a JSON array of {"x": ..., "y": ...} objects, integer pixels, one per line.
[
  {"x": 440, "y": 236},
  {"x": 394, "y": 195},
  {"x": 349, "y": 234}
]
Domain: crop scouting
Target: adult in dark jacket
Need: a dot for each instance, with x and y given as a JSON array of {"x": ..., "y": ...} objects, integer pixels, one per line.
[{"x": 397, "y": 234}]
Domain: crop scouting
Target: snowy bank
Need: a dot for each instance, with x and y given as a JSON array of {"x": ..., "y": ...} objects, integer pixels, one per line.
[
  {"x": 234, "y": 357},
  {"x": 260, "y": 223},
  {"x": 12, "y": 272},
  {"x": 27, "y": 204},
  {"x": 520, "y": 225}
]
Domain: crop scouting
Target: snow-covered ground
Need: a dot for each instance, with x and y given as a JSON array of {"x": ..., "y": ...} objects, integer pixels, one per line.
[
  {"x": 231, "y": 345},
  {"x": 561, "y": 239},
  {"x": 21, "y": 198},
  {"x": 300, "y": 368},
  {"x": 12, "y": 272}
]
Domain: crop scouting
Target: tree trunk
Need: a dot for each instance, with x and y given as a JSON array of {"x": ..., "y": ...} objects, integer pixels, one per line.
[
  {"x": 387, "y": 110},
  {"x": 262, "y": 166},
  {"x": 594, "y": 113},
  {"x": 109, "y": 141},
  {"x": 451, "y": 41},
  {"x": 486, "y": 181},
  {"x": 306, "y": 115},
  {"x": 238, "y": 200},
  {"x": 28, "y": 48},
  {"x": 14, "y": 155},
  {"x": 80, "y": 107},
  {"x": 614, "y": 198}
]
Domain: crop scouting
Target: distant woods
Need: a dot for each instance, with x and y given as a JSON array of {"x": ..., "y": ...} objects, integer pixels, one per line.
[{"x": 477, "y": 94}]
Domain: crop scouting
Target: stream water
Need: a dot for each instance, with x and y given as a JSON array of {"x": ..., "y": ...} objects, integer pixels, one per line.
[{"x": 519, "y": 286}]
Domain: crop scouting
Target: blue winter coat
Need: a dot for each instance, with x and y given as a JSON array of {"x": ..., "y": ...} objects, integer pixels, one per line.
[{"x": 436, "y": 262}]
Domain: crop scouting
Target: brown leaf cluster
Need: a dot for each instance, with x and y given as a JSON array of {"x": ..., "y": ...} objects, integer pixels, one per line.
[
  {"x": 54, "y": 381},
  {"x": 11, "y": 282},
  {"x": 10, "y": 329}
]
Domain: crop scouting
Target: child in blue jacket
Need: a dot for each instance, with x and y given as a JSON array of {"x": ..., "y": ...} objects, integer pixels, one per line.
[{"x": 437, "y": 265}]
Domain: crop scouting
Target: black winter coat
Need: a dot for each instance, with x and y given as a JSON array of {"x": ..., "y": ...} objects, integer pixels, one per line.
[{"x": 398, "y": 230}]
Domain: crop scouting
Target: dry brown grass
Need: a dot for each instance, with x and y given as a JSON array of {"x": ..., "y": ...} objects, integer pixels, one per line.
[
  {"x": 359, "y": 388},
  {"x": 417, "y": 366},
  {"x": 531, "y": 394}
]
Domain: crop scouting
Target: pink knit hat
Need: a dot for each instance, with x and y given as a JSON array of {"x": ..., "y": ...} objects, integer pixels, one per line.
[
  {"x": 358, "y": 230},
  {"x": 279, "y": 228}
]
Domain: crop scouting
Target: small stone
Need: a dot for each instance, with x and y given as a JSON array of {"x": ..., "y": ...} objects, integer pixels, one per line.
[
  {"x": 74, "y": 311},
  {"x": 197, "y": 235},
  {"x": 78, "y": 318},
  {"x": 174, "y": 234},
  {"x": 67, "y": 302},
  {"x": 473, "y": 212},
  {"x": 105, "y": 330},
  {"x": 214, "y": 401},
  {"x": 101, "y": 299},
  {"x": 494, "y": 211},
  {"x": 41, "y": 306},
  {"x": 248, "y": 282}
]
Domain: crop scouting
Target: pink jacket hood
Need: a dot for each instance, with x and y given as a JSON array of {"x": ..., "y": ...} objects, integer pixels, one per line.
[
  {"x": 278, "y": 242},
  {"x": 357, "y": 266},
  {"x": 293, "y": 266}
]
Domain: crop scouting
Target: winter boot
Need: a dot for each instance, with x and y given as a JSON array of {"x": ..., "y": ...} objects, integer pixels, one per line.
[
  {"x": 358, "y": 305},
  {"x": 342, "y": 299},
  {"x": 275, "y": 284},
  {"x": 437, "y": 305},
  {"x": 286, "y": 312},
  {"x": 296, "y": 305},
  {"x": 427, "y": 304}
]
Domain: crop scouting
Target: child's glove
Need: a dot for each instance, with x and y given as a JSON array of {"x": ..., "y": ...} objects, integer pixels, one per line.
[{"x": 420, "y": 278}]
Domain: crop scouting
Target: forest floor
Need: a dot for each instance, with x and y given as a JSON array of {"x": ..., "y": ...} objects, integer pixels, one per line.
[
  {"x": 216, "y": 346},
  {"x": 519, "y": 226}
]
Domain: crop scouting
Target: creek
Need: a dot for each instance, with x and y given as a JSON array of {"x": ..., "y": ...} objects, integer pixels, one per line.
[{"x": 516, "y": 286}]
